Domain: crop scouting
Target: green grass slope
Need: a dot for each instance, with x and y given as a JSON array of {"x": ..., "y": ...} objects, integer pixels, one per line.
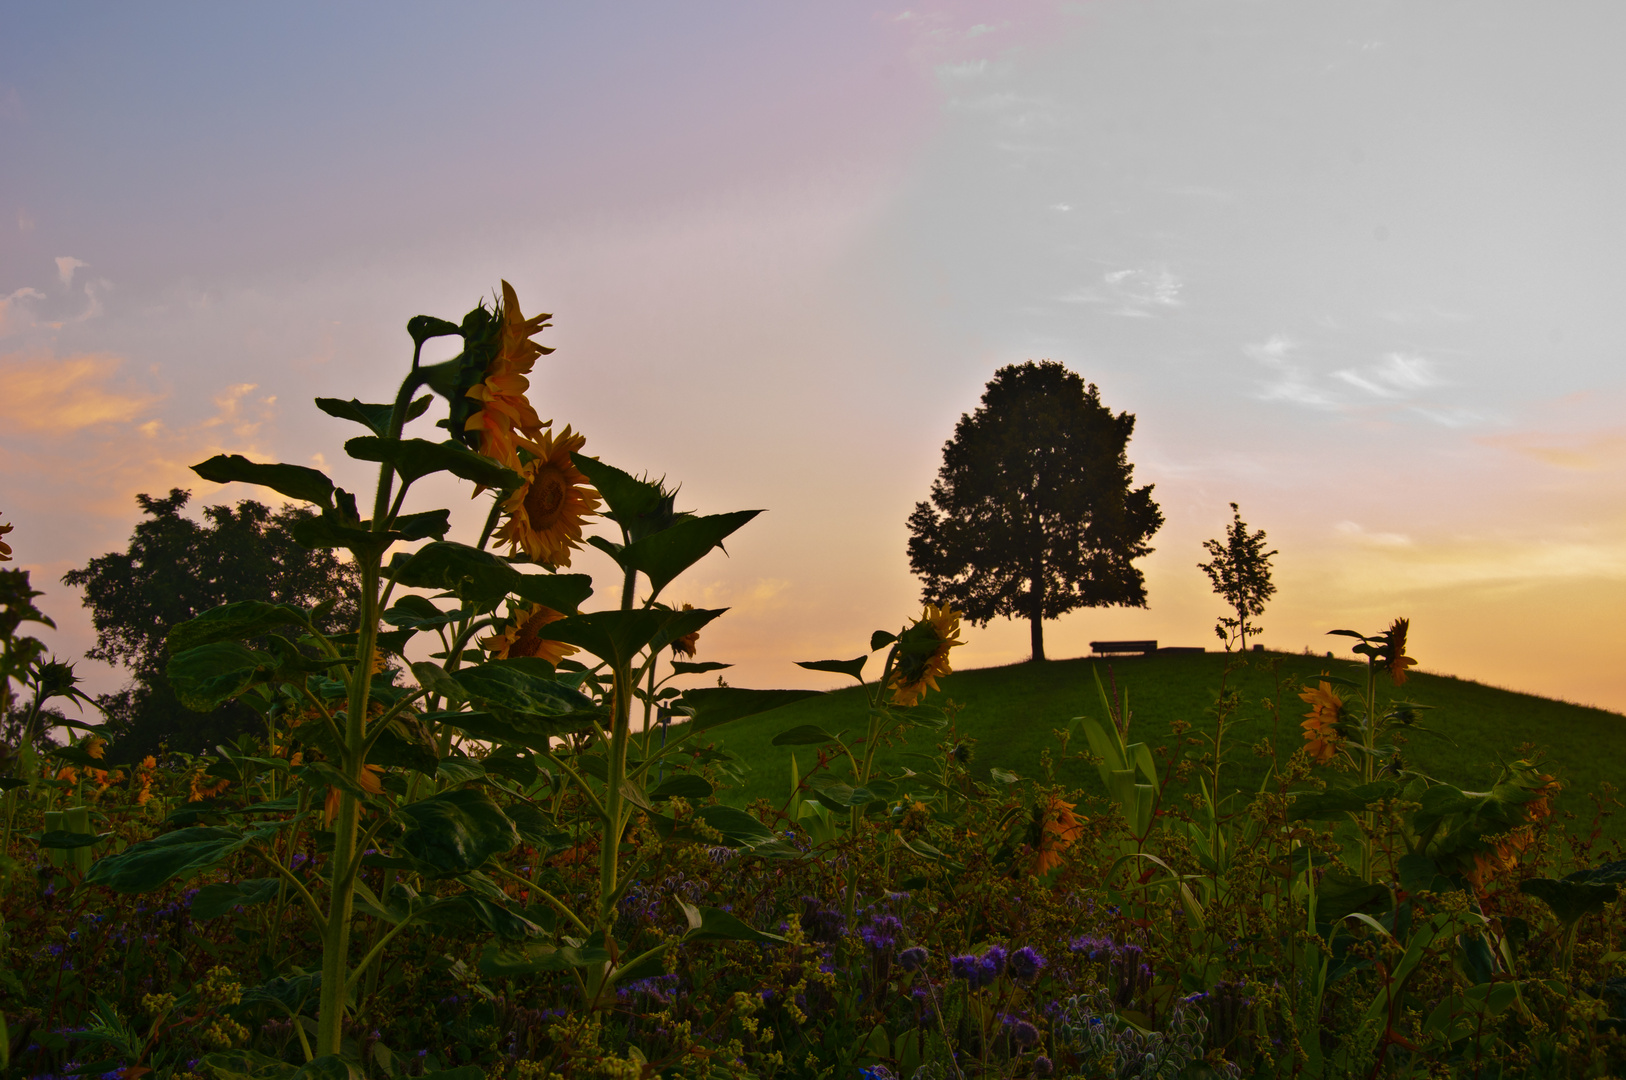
[{"x": 1014, "y": 711}]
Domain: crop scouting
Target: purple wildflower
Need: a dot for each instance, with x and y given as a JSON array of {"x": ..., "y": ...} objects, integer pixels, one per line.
[
  {"x": 912, "y": 959},
  {"x": 1025, "y": 964},
  {"x": 1042, "y": 1066}
]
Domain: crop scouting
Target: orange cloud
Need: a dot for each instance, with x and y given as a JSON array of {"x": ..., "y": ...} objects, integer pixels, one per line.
[
  {"x": 39, "y": 392},
  {"x": 1586, "y": 452}
]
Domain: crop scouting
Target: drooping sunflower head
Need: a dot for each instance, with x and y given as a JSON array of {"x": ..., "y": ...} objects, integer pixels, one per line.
[
  {"x": 922, "y": 656},
  {"x": 1052, "y": 831},
  {"x": 546, "y": 513},
  {"x": 486, "y": 385},
  {"x": 686, "y": 645},
  {"x": 1320, "y": 724},
  {"x": 522, "y": 636},
  {"x": 1391, "y": 653}
]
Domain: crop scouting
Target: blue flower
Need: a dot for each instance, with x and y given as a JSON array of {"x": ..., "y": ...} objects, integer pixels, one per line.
[{"x": 912, "y": 959}]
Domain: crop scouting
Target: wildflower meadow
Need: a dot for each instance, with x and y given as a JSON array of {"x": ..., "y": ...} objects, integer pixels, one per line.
[{"x": 480, "y": 833}]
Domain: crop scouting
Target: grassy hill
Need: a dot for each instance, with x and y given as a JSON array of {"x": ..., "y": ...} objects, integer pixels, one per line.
[{"x": 1013, "y": 712}]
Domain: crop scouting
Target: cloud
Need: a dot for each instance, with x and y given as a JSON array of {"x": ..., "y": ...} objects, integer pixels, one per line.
[
  {"x": 1132, "y": 293},
  {"x": 66, "y": 265},
  {"x": 1400, "y": 375},
  {"x": 1355, "y": 533},
  {"x": 42, "y": 393},
  {"x": 12, "y": 311},
  {"x": 1292, "y": 383},
  {"x": 1580, "y": 452}
]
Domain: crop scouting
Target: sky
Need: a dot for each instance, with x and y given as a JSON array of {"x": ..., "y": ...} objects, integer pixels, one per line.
[{"x": 1353, "y": 267}]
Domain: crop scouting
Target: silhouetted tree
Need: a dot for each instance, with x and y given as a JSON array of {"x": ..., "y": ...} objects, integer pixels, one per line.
[
  {"x": 177, "y": 568},
  {"x": 1032, "y": 514},
  {"x": 1241, "y": 575}
]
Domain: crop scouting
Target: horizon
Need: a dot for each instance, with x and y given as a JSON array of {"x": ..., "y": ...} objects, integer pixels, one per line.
[{"x": 1345, "y": 270}]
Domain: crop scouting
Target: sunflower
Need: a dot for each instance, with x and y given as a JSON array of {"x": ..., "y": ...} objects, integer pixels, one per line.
[
  {"x": 522, "y": 636},
  {"x": 369, "y": 783},
  {"x": 506, "y": 420},
  {"x": 1391, "y": 654},
  {"x": 546, "y": 513},
  {"x": 95, "y": 746},
  {"x": 1057, "y": 827},
  {"x": 5, "y": 548},
  {"x": 1321, "y": 722},
  {"x": 685, "y": 645},
  {"x": 923, "y": 654}
]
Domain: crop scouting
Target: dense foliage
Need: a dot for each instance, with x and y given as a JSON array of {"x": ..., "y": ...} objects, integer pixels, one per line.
[
  {"x": 1033, "y": 514},
  {"x": 175, "y": 569}
]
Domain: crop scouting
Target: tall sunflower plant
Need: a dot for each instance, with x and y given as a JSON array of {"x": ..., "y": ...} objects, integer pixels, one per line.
[
  {"x": 1453, "y": 836},
  {"x": 422, "y": 771},
  {"x": 916, "y": 657}
]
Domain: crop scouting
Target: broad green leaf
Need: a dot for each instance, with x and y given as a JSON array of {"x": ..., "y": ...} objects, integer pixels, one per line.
[
  {"x": 422, "y": 526},
  {"x": 1570, "y": 900},
  {"x": 434, "y": 678},
  {"x": 218, "y": 899},
  {"x": 714, "y": 705},
  {"x": 233, "y": 622},
  {"x": 331, "y": 529},
  {"x": 144, "y": 866},
  {"x": 634, "y": 794},
  {"x": 417, "y": 458},
  {"x": 524, "y": 685},
  {"x": 210, "y": 674},
  {"x": 663, "y": 555},
  {"x": 510, "y": 962},
  {"x": 467, "y": 911},
  {"x": 460, "y": 771},
  {"x": 1003, "y": 776},
  {"x": 64, "y": 840},
  {"x": 618, "y": 636},
  {"x": 405, "y": 744},
  {"x": 710, "y": 924},
  {"x": 424, "y": 327},
  {"x": 287, "y": 992},
  {"x": 803, "y": 735},
  {"x": 419, "y": 613},
  {"x": 374, "y": 417},
  {"x": 457, "y": 831},
  {"x": 532, "y": 732},
  {"x": 855, "y": 668},
  {"x": 739, "y": 828},
  {"x": 681, "y": 786},
  {"x": 1336, "y": 802},
  {"x": 533, "y": 825},
  {"x": 833, "y": 792},
  {"x": 483, "y": 579},
  {"x": 294, "y": 481},
  {"x": 679, "y": 667},
  {"x": 880, "y": 639},
  {"x": 628, "y": 499}
]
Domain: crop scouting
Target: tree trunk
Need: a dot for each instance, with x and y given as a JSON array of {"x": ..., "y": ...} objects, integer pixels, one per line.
[{"x": 1036, "y": 612}]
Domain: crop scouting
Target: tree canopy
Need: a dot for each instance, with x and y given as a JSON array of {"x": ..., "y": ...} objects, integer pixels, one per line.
[
  {"x": 1033, "y": 514},
  {"x": 1240, "y": 573},
  {"x": 175, "y": 569}
]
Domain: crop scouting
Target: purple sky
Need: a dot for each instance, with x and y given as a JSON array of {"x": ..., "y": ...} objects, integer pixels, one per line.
[{"x": 1351, "y": 267}]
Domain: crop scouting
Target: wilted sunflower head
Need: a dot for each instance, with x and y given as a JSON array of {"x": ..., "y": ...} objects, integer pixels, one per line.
[
  {"x": 546, "y": 513},
  {"x": 1052, "y": 830},
  {"x": 485, "y": 384},
  {"x": 922, "y": 656},
  {"x": 522, "y": 636},
  {"x": 686, "y": 645},
  {"x": 1391, "y": 652}
]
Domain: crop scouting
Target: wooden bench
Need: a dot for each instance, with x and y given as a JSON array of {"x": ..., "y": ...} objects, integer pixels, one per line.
[{"x": 1123, "y": 648}]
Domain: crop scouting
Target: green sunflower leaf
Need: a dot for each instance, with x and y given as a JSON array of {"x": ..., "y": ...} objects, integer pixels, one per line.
[{"x": 294, "y": 481}]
